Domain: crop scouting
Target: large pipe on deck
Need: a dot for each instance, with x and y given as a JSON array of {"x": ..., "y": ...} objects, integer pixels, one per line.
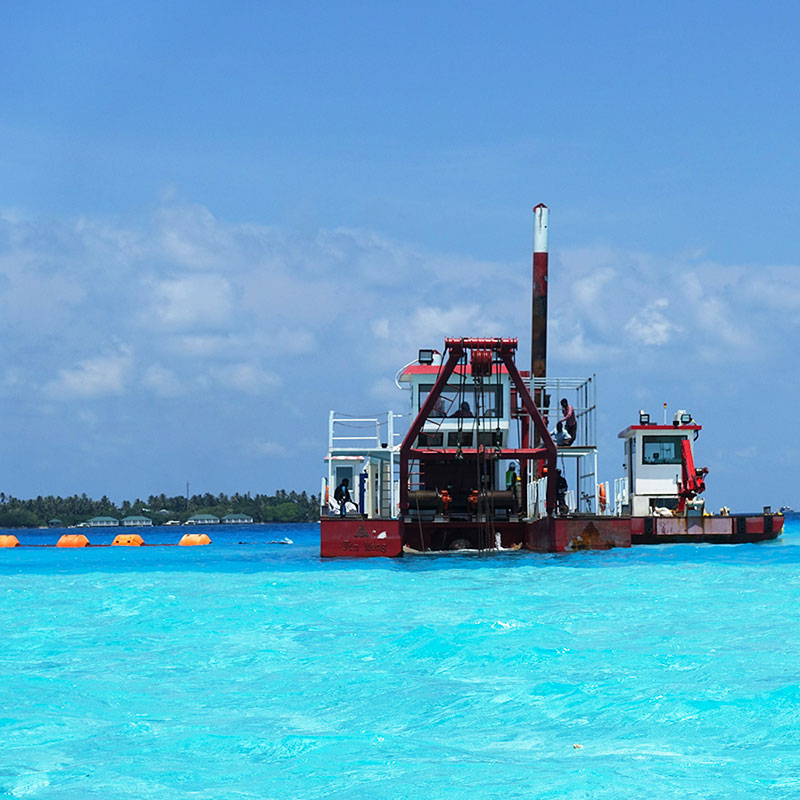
[{"x": 541, "y": 215}]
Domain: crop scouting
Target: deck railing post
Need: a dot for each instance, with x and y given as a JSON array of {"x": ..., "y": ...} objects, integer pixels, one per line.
[{"x": 390, "y": 442}]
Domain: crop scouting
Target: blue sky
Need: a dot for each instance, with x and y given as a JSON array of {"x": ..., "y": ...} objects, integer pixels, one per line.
[{"x": 218, "y": 222}]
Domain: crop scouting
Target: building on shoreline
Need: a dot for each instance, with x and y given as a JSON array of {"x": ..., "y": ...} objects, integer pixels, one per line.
[
  {"x": 103, "y": 522},
  {"x": 202, "y": 519},
  {"x": 237, "y": 519},
  {"x": 136, "y": 521}
]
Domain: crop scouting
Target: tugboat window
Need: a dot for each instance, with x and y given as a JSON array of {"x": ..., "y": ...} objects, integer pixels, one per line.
[{"x": 661, "y": 449}]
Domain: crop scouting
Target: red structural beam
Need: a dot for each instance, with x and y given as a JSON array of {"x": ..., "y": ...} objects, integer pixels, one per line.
[
  {"x": 457, "y": 348},
  {"x": 498, "y": 345},
  {"x": 447, "y": 453},
  {"x": 539, "y": 426}
]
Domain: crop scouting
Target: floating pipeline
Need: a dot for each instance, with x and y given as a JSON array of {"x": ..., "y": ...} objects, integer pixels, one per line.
[
  {"x": 190, "y": 539},
  {"x": 72, "y": 540},
  {"x": 127, "y": 540}
]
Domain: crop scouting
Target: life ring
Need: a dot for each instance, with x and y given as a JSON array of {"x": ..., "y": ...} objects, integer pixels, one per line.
[
  {"x": 601, "y": 491},
  {"x": 327, "y": 495}
]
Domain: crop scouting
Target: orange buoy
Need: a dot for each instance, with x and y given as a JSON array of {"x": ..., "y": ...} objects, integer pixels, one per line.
[
  {"x": 9, "y": 540},
  {"x": 128, "y": 540},
  {"x": 73, "y": 540},
  {"x": 195, "y": 538}
]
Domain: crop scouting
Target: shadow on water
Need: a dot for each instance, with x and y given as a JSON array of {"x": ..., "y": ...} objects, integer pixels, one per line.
[{"x": 263, "y": 548}]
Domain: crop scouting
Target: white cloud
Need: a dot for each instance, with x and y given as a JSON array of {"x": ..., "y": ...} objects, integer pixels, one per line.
[
  {"x": 651, "y": 325},
  {"x": 204, "y": 346},
  {"x": 106, "y": 374},
  {"x": 246, "y": 377},
  {"x": 385, "y": 390},
  {"x": 263, "y": 330},
  {"x": 192, "y": 301},
  {"x": 380, "y": 327},
  {"x": 431, "y": 324},
  {"x": 706, "y": 312},
  {"x": 199, "y": 297},
  {"x": 191, "y": 237},
  {"x": 290, "y": 341},
  {"x": 162, "y": 381},
  {"x": 574, "y": 345},
  {"x": 589, "y": 290}
]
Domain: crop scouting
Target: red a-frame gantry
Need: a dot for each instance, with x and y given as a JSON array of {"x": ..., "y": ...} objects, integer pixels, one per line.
[{"x": 482, "y": 364}]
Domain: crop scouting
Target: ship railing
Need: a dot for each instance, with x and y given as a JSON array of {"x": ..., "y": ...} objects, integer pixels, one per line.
[
  {"x": 621, "y": 495},
  {"x": 362, "y": 433},
  {"x": 537, "y": 496},
  {"x": 590, "y": 502},
  {"x": 373, "y": 439}
]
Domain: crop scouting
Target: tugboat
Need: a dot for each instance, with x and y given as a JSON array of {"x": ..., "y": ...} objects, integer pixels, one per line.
[{"x": 451, "y": 481}]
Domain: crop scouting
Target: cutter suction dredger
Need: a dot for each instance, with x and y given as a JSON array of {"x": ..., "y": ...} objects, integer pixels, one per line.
[
  {"x": 494, "y": 458},
  {"x": 473, "y": 416}
]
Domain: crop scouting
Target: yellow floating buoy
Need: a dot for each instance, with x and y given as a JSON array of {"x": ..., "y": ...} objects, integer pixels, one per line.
[
  {"x": 128, "y": 540},
  {"x": 9, "y": 540},
  {"x": 195, "y": 538},
  {"x": 73, "y": 540}
]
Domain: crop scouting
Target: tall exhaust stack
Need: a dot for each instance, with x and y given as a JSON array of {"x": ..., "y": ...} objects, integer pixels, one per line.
[{"x": 541, "y": 214}]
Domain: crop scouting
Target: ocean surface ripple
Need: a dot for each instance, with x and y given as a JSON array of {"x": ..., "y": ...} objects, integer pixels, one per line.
[{"x": 256, "y": 670}]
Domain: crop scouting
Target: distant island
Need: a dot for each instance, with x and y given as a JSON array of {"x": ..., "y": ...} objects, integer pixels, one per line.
[{"x": 283, "y": 506}]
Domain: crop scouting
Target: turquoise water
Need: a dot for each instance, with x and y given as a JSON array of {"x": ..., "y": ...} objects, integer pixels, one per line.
[{"x": 258, "y": 671}]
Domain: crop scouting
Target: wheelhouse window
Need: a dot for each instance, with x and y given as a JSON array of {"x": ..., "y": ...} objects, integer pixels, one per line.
[
  {"x": 464, "y": 439},
  {"x": 467, "y": 401},
  {"x": 661, "y": 449},
  {"x": 460, "y": 439}
]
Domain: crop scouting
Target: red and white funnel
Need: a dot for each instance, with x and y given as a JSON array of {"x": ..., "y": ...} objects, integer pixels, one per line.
[{"x": 541, "y": 215}]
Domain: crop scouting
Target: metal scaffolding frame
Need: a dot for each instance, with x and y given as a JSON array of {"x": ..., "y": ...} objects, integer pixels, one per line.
[{"x": 578, "y": 462}]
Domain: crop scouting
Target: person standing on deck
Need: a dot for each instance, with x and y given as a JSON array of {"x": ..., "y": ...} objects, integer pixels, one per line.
[
  {"x": 570, "y": 423},
  {"x": 512, "y": 480},
  {"x": 342, "y": 496},
  {"x": 511, "y": 477},
  {"x": 561, "y": 494}
]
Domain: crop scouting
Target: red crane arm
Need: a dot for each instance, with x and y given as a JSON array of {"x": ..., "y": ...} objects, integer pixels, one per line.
[{"x": 693, "y": 479}]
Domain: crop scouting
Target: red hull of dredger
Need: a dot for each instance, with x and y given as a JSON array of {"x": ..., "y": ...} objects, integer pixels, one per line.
[{"x": 361, "y": 538}]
